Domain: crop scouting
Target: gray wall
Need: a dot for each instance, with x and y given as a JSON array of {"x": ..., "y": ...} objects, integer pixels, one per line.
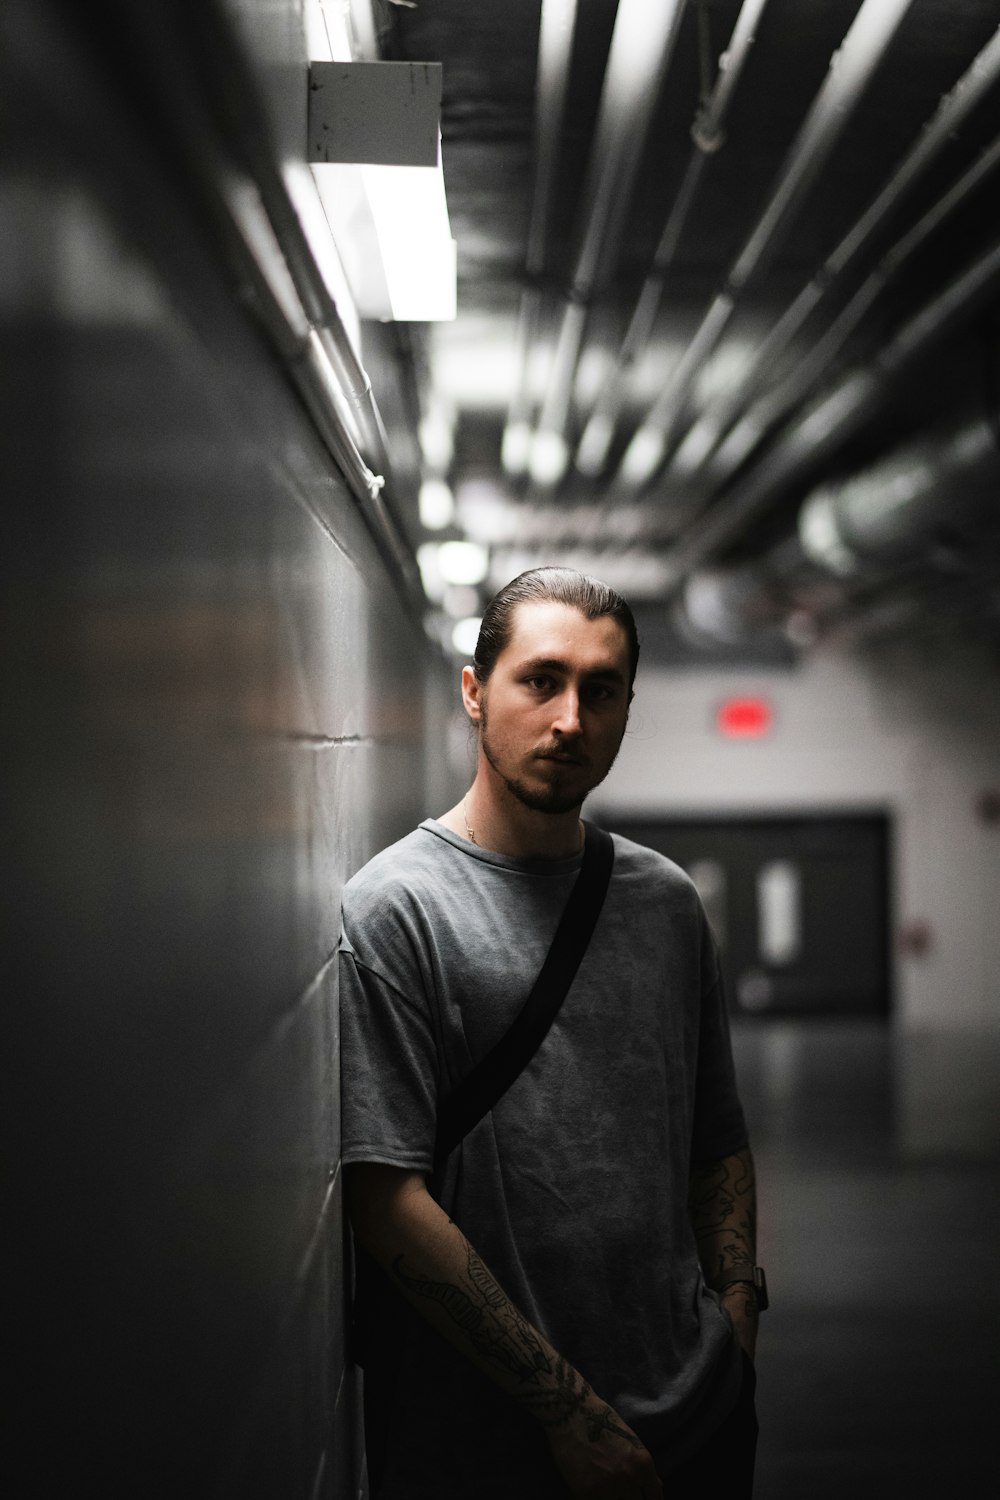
[{"x": 213, "y": 713}]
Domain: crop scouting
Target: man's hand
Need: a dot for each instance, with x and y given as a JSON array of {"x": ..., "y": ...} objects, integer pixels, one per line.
[{"x": 600, "y": 1457}]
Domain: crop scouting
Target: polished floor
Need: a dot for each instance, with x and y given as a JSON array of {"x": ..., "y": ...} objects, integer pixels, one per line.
[{"x": 878, "y": 1163}]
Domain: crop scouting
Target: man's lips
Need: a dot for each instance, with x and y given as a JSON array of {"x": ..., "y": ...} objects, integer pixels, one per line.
[{"x": 561, "y": 757}]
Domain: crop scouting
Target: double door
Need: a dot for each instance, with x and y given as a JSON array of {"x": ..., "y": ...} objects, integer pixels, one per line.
[{"x": 799, "y": 906}]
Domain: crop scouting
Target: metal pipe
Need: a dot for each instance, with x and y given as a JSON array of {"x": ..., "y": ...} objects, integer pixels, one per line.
[
  {"x": 555, "y": 40},
  {"x": 708, "y": 136},
  {"x": 764, "y": 414},
  {"x": 829, "y": 422},
  {"x": 638, "y": 58},
  {"x": 707, "y": 131},
  {"x": 849, "y": 72},
  {"x": 952, "y": 111}
]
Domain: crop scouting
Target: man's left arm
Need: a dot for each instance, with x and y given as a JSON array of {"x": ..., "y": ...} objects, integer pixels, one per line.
[{"x": 722, "y": 1203}]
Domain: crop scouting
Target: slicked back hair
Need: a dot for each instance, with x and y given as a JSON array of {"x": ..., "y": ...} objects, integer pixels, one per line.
[{"x": 561, "y": 586}]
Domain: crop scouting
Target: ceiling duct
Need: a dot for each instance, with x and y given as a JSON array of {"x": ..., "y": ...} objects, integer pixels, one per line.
[
  {"x": 729, "y": 607},
  {"x": 897, "y": 509},
  {"x": 884, "y": 518}
]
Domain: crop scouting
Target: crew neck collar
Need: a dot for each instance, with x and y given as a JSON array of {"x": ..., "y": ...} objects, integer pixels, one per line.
[{"x": 542, "y": 867}]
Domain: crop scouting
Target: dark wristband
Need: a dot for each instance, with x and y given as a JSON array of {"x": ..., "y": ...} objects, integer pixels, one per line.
[{"x": 751, "y": 1275}]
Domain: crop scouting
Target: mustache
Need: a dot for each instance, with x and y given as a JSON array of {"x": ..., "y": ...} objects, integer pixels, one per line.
[{"x": 567, "y": 753}]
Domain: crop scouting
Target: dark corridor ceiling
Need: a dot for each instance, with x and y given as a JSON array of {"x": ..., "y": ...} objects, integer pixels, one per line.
[{"x": 897, "y": 358}]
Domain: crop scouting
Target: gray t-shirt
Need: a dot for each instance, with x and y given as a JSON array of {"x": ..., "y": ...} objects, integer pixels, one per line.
[{"x": 574, "y": 1188}]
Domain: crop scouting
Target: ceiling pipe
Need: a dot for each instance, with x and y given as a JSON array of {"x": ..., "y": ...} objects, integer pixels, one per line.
[
  {"x": 641, "y": 48},
  {"x": 830, "y": 421},
  {"x": 708, "y": 135},
  {"x": 849, "y": 73},
  {"x": 777, "y": 403},
  {"x": 880, "y": 520},
  {"x": 954, "y": 109},
  {"x": 555, "y": 41}
]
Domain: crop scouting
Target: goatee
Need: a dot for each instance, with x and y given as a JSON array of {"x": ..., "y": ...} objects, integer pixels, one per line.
[{"x": 552, "y": 800}]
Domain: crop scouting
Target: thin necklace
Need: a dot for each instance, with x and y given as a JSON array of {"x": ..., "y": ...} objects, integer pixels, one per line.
[{"x": 471, "y": 833}]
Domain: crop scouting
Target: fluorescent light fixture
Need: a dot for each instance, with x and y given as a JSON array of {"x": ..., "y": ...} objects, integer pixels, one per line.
[
  {"x": 738, "y": 443},
  {"x": 485, "y": 513},
  {"x": 643, "y": 456},
  {"x": 460, "y": 601},
  {"x": 390, "y": 225},
  {"x": 465, "y": 635},
  {"x": 375, "y": 153},
  {"x": 462, "y": 562},
  {"x": 419, "y": 256},
  {"x": 428, "y": 561},
  {"x": 697, "y": 445},
  {"x": 548, "y": 457},
  {"x": 592, "y": 454},
  {"x": 437, "y": 504},
  {"x": 436, "y": 433},
  {"x": 328, "y": 37},
  {"x": 515, "y": 447},
  {"x": 820, "y": 536}
]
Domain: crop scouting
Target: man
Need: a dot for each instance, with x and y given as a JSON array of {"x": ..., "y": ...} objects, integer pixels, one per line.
[{"x": 548, "y": 1326}]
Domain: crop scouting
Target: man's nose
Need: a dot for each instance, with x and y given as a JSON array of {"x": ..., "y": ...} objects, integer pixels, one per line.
[{"x": 567, "y": 719}]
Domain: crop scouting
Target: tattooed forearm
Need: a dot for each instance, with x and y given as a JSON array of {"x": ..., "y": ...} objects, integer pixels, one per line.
[
  {"x": 723, "y": 1207},
  {"x": 443, "y": 1278},
  {"x": 482, "y": 1310},
  {"x": 567, "y": 1396}
]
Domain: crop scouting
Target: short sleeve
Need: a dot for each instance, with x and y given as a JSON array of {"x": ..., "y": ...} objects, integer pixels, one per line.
[
  {"x": 389, "y": 1070},
  {"x": 719, "y": 1124}
]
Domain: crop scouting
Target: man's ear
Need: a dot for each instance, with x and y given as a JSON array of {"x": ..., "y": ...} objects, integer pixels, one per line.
[{"x": 471, "y": 694}]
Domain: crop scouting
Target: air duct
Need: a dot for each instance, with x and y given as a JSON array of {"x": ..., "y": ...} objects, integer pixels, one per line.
[
  {"x": 876, "y": 522},
  {"x": 895, "y": 510}
]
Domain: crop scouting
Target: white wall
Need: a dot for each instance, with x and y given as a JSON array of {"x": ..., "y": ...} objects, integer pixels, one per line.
[{"x": 918, "y": 739}]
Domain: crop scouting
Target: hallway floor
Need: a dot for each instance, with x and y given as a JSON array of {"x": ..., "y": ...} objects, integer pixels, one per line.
[{"x": 878, "y": 1165}]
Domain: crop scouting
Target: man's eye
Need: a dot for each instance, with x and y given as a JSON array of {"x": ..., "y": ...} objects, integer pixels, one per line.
[{"x": 541, "y": 683}]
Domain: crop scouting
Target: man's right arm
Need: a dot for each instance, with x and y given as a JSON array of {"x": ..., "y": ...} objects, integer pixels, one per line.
[{"x": 438, "y": 1271}]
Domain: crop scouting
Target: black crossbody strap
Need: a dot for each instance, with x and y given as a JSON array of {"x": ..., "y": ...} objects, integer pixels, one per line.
[{"x": 493, "y": 1075}]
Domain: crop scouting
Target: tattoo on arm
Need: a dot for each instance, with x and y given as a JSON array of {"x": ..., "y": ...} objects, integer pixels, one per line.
[
  {"x": 567, "y": 1396},
  {"x": 547, "y": 1385},
  {"x": 722, "y": 1204},
  {"x": 482, "y": 1310}
]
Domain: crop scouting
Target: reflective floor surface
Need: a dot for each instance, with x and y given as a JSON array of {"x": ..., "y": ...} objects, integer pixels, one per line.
[{"x": 878, "y": 1164}]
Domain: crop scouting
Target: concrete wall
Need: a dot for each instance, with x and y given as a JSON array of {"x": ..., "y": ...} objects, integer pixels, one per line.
[
  {"x": 919, "y": 739},
  {"x": 214, "y": 710}
]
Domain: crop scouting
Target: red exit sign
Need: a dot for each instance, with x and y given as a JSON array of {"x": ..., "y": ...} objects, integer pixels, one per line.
[{"x": 744, "y": 718}]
